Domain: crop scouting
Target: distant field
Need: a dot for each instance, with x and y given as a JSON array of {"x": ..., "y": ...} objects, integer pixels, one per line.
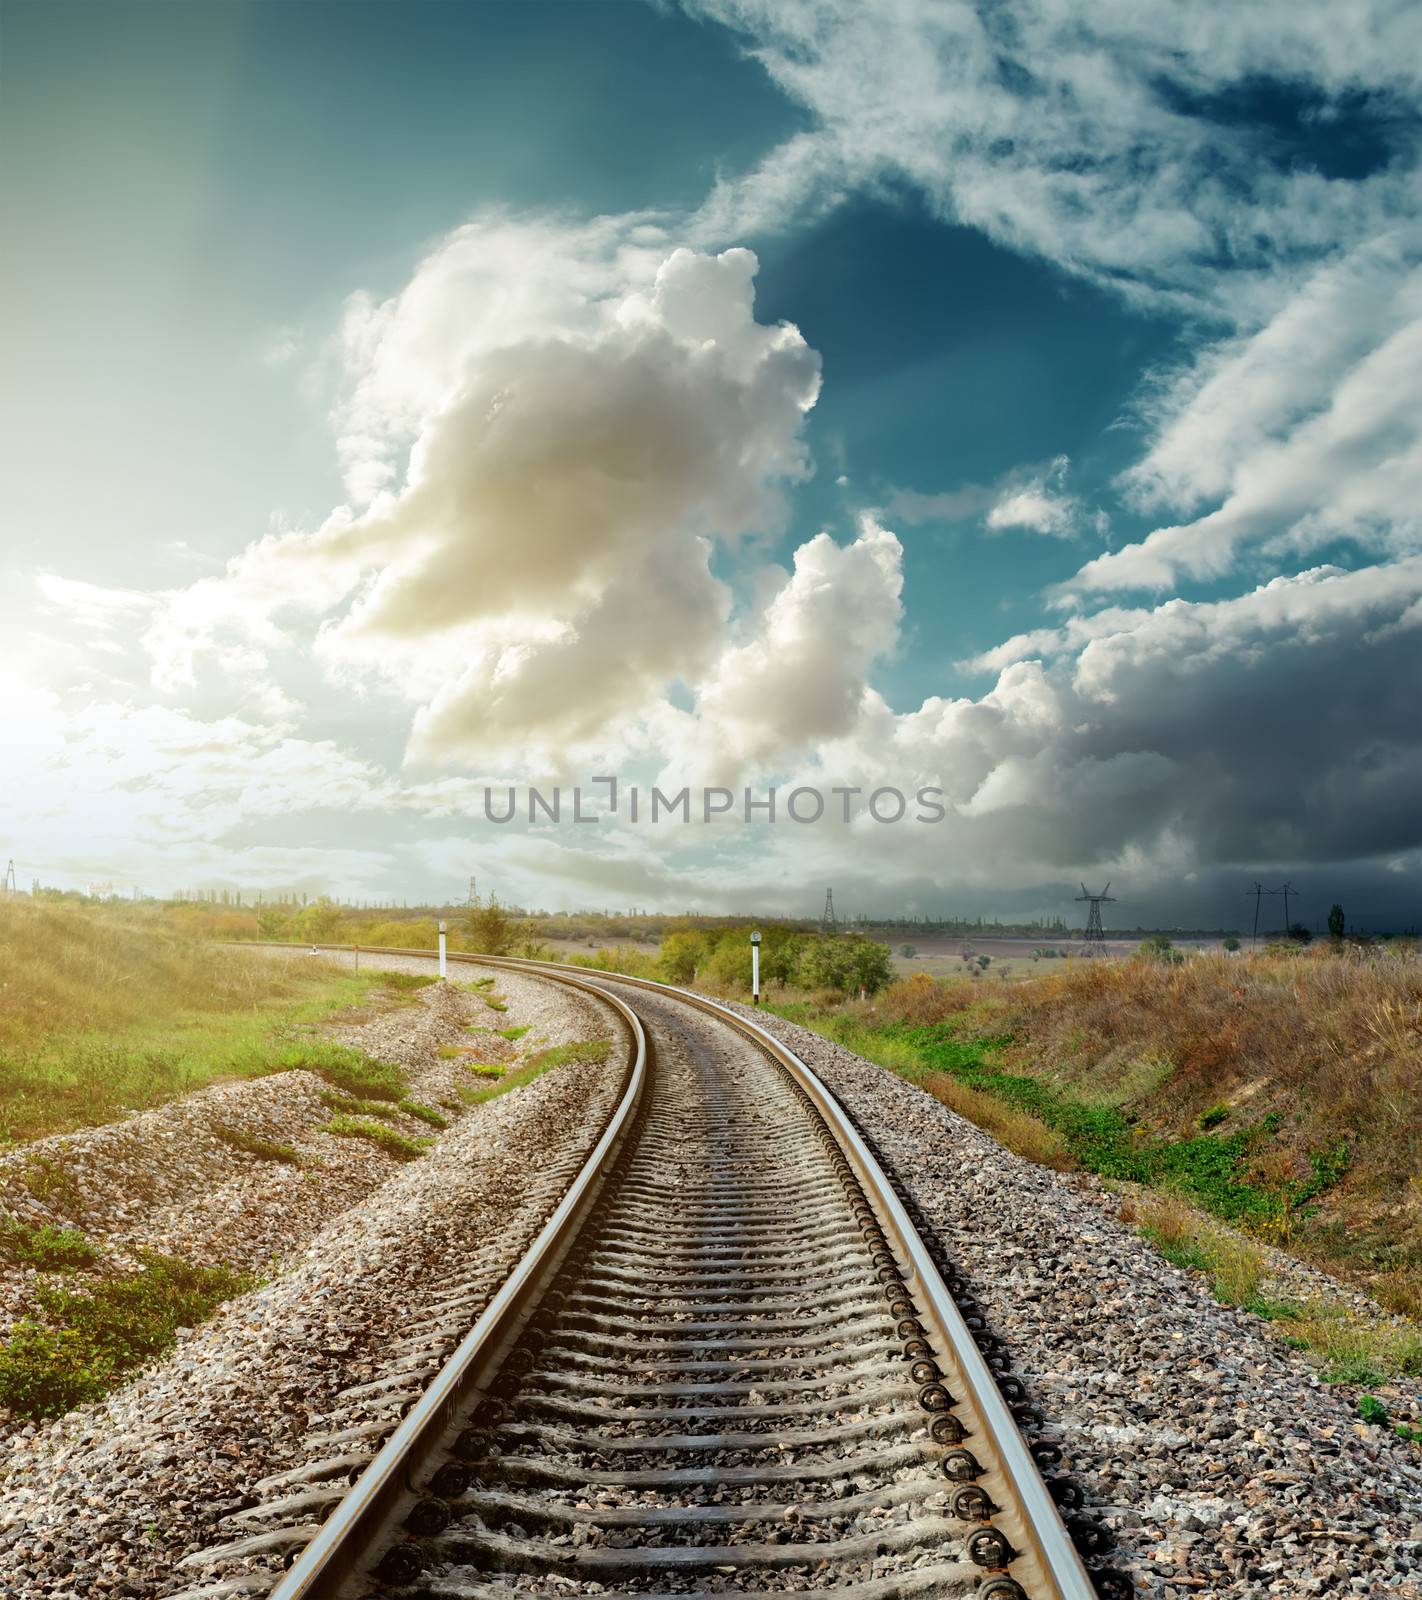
[
  {"x": 943, "y": 958},
  {"x": 103, "y": 1010}
]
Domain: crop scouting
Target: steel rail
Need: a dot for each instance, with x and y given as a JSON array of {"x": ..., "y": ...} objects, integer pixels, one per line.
[
  {"x": 376, "y": 1497},
  {"x": 1044, "y": 1561}
]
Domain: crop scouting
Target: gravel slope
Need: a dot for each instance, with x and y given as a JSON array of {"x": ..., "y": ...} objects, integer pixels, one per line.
[
  {"x": 109, "y": 1499},
  {"x": 1222, "y": 1463}
]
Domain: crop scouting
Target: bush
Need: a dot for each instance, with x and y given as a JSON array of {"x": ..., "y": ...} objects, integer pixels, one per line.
[{"x": 46, "y": 1247}]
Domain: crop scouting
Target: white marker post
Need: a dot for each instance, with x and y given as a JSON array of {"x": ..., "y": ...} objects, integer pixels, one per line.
[
  {"x": 755, "y": 969},
  {"x": 443, "y": 963}
]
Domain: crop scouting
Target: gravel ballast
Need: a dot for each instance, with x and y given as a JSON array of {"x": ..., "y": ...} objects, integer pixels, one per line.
[
  {"x": 1223, "y": 1464},
  {"x": 110, "y": 1499}
]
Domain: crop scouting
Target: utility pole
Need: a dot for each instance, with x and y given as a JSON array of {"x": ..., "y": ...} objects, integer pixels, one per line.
[
  {"x": 1287, "y": 890},
  {"x": 828, "y": 925},
  {"x": 1257, "y": 891},
  {"x": 11, "y": 887}
]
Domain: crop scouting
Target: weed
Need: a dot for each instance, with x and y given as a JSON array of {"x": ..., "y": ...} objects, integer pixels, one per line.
[
  {"x": 84, "y": 1341},
  {"x": 1358, "y": 1349},
  {"x": 350, "y": 1106},
  {"x": 1371, "y": 1409},
  {"x": 255, "y": 1145},
  {"x": 47, "y": 1180},
  {"x": 47, "y": 1247},
  {"x": 1214, "y": 1116},
  {"x": 406, "y": 982},
  {"x": 580, "y": 1050},
  {"x": 449, "y": 1052},
  {"x": 496, "y": 1002},
  {"x": 514, "y": 1034},
  {"x": 424, "y": 1113},
  {"x": 387, "y": 1139},
  {"x": 1352, "y": 1348},
  {"x": 558, "y": 1055},
  {"x": 485, "y": 1069}
]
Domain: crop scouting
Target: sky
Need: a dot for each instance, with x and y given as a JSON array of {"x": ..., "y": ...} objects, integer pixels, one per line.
[{"x": 1011, "y": 407}]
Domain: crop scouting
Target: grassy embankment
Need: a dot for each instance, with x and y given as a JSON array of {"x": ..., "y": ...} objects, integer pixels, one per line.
[
  {"x": 102, "y": 1011},
  {"x": 1281, "y": 1094}
]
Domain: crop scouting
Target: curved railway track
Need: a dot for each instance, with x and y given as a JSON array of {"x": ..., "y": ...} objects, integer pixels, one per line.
[{"x": 728, "y": 1363}]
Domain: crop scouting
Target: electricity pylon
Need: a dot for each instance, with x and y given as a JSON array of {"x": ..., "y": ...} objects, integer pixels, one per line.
[{"x": 1095, "y": 935}]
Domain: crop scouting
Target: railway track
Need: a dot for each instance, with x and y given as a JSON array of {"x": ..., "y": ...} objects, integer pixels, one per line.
[{"x": 729, "y": 1363}]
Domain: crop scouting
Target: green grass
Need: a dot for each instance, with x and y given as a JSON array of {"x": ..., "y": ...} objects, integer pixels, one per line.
[
  {"x": 1350, "y": 1347},
  {"x": 484, "y": 1069},
  {"x": 406, "y": 982},
  {"x": 556, "y": 1056},
  {"x": 514, "y": 1034},
  {"x": 424, "y": 1113},
  {"x": 47, "y": 1247},
  {"x": 255, "y": 1145},
  {"x": 351, "y": 1106},
  {"x": 391, "y": 1141},
  {"x": 345, "y": 1068},
  {"x": 1212, "y": 1169},
  {"x": 495, "y": 1002},
  {"x": 82, "y": 1342},
  {"x": 58, "y": 1072}
]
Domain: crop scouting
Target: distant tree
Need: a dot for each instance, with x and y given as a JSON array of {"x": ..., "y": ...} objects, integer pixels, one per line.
[
  {"x": 873, "y": 968},
  {"x": 489, "y": 928},
  {"x": 1231, "y": 944},
  {"x": 318, "y": 921},
  {"x": 1300, "y": 934},
  {"x": 846, "y": 964},
  {"x": 1336, "y": 922},
  {"x": 271, "y": 923},
  {"x": 908, "y": 951},
  {"x": 679, "y": 956},
  {"x": 984, "y": 962}
]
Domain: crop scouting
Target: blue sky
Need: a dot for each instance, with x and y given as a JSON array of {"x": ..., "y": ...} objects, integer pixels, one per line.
[{"x": 398, "y": 410}]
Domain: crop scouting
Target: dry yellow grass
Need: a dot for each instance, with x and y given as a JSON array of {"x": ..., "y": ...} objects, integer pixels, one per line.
[
  {"x": 1352, "y": 1347},
  {"x": 1328, "y": 1040},
  {"x": 1022, "y": 1134}
]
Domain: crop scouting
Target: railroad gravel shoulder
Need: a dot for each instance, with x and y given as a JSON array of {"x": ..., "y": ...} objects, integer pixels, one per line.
[
  {"x": 1222, "y": 1463},
  {"x": 109, "y": 1499}
]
